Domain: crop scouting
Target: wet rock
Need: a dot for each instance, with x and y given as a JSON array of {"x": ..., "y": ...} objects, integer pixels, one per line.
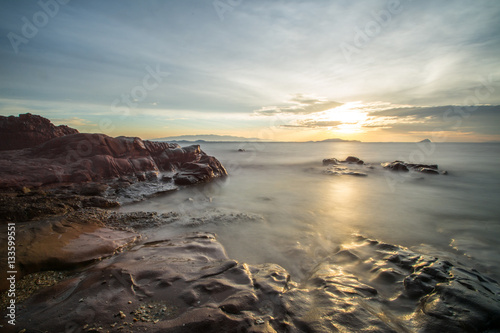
[
  {"x": 166, "y": 178},
  {"x": 141, "y": 176},
  {"x": 349, "y": 160},
  {"x": 352, "y": 159},
  {"x": 64, "y": 243},
  {"x": 428, "y": 170},
  {"x": 38, "y": 205},
  {"x": 28, "y": 131},
  {"x": 204, "y": 170},
  {"x": 396, "y": 166},
  {"x": 334, "y": 170},
  {"x": 405, "y": 167},
  {"x": 92, "y": 189},
  {"x": 330, "y": 161},
  {"x": 185, "y": 283}
]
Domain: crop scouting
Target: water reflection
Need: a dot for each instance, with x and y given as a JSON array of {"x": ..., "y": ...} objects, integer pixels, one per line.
[{"x": 280, "y": 207}]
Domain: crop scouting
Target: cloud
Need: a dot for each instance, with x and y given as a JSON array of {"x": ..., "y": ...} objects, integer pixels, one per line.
[
  {"x": 313, "y": 124},
  {"x": 479, "y": 119},
  {"x": 74, "y": 122},
  {"x": 299, "y": 104}
]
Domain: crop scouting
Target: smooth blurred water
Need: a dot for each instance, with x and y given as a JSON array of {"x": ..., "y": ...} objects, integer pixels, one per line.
[{"x": 279, "y": 206}]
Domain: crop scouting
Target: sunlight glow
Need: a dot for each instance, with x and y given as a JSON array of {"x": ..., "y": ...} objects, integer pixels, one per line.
[{"x": 351, "y": 117}]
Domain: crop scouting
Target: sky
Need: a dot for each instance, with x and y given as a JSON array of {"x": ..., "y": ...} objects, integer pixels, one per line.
[{"x": 388, "y": 70}]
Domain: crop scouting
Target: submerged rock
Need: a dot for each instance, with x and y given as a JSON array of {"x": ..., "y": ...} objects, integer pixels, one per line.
[
  {"x": 399, "y": 166},
  {"x": 352, "y": 159},
  {"x": 351, "y": 168},
  {"x": 396, "y": 166},
  {"x": 330, "y": 161},
  {"x": 405, "y": 167},
  {"x": 349, "y": 160},
  {"x": 344, "y": 171}
]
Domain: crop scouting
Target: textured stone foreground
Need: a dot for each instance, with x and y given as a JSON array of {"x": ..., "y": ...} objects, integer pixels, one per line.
[{"x": 187, "y": 283}]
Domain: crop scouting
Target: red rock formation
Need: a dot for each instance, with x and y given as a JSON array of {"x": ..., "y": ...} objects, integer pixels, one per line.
[
  {"x": 29, "y": 130},
  {"x": 82, "y": 157}
]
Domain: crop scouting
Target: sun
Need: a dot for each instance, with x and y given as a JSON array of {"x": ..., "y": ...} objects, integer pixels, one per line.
[{"x": 350, "y": 118}]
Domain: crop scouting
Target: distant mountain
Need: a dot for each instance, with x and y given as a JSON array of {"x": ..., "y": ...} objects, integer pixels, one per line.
[
  {"x": 337, "y": 140},
  {"x": 425, "y": 140},
  {"x": 205, "y": 138}
]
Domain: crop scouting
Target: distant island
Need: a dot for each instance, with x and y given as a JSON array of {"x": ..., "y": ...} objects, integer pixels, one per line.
[
  {"x": 425, "y": 140},
  {"x": 207, "y": 138},
  {"x": 336, "y": 140}
]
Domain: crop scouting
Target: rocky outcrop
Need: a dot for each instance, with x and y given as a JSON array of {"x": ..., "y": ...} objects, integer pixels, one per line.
[
  {"x": 349, "y": 160},
  {"x": 351, "y": 164},
  {"x": 405, "y": 167},
  {"x": 29, "y": 130},
  {"x": 79, "y": 158}
]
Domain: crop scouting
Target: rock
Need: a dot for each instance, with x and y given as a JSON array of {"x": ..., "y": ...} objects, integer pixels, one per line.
[
  {"x": 405, "y": 167},
  {"x": 422, "y": 166},
  {"x": 63, "y": 243},
  {"x": 28, "y": 131},
  {"x": 187, "y": 283},
  {"x": 241, "y": 150},
  {"x": 396, "y": 166},
  {"x": 330, "y": 161},
  {"x": 352, "y": 159},
  {"x": 205, "y": 169},
  {"x": 335, "y": 169},
  {"x": 92, "y": 189},
  {"x": 344, "y": 171},
  {"x": 79, "y": 158},
  {"x": 428, "y": 170},
  {"x": 141, "y": 176},
  {"x": 182, "y": 284},
  {"x": 166, "y": 178}
]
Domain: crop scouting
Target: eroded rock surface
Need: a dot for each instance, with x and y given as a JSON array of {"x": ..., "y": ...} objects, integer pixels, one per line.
[
  {"x": 63, "y": 242},
  {"x": 182, "y": 284},
  {"x": 29, "y": 130},
  {"x": 80, "y": 158},
  {"x": 188, "y": 284}
]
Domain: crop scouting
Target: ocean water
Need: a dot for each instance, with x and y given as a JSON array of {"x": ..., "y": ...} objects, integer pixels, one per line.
[{"x": 280, "y": 205}]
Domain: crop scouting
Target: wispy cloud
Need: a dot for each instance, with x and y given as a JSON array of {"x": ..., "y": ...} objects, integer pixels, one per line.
[
  {"x": 313, "y": 124},
  {"x": 299, "y": 104},
  {"x": 74, "y": 122},
  {"x": 431, "y": 53}
]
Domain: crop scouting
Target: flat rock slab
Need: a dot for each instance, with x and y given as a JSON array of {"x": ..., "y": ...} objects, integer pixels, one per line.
[
  {"x": 61, "y": 243},
  {"x": 183, "y": 284}
]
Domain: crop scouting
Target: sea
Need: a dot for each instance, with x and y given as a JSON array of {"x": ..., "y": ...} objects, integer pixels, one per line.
[{"x": 281, "y": 205}]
